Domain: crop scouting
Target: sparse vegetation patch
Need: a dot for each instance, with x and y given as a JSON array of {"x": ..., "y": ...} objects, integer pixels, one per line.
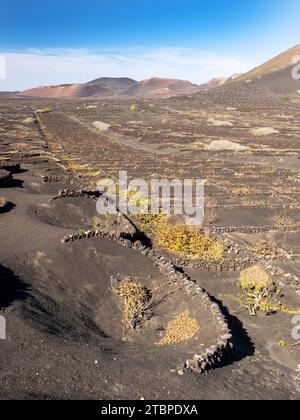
[
  {"x": 136, "y": 300},
  {"x": 150, "y": 224},
  {"x": 183, "y": 328},
  {"x": 243, "y": 191},
  {"x": 91, "y": 174},
  {"x": 283, "y": 221},
  {"x": 265, "y": 248},
  {"x": 189, "y": 241},
  {"x": 46, "y": 110},
  {"x": 267, "y": 171},
  {"x": 259, "y": 292},
  {"x": 76, "y": 166}
]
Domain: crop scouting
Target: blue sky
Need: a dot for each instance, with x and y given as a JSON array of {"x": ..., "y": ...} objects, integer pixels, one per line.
[{"x": 75, "y": 40}]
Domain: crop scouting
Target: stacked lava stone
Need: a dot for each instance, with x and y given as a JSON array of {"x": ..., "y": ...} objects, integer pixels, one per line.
[{"x": 5, "y": 179}]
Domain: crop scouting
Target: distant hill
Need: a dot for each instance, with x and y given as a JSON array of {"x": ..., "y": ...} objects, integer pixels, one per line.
[
  {"x": 103, "y": 87},
  {"x": 215, "y": 82},
  {"x": 118, "y": 85},
  {"x": 267, "y": 86},
  {"x": 112, "y": 87},
  {"x": 67, "y": 91},
  {"x": 275, "y": 75},
  {"x": 160, "y": 87}
]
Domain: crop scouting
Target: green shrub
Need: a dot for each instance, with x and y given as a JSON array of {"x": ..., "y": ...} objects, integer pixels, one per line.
[
  {"x": 46, "y": 110},
  {"x": 255, "y": 278}
]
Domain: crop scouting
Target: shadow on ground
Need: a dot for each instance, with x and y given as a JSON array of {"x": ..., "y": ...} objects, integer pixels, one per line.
[
  {"x": 243, "y": 345},
  {"x": 12, "y": 287},
  {"x": 7, "y": 208}
]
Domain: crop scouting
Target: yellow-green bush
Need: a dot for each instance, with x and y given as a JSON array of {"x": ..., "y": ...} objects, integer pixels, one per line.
[
  {"x": 150, "y": 224},
  {"x": 46, "y": 110},
  {"x": 189, "y": 241},
  {"x": 259, "y": 292},
  {"x": 241, "y": 191},
  {"x": 255, "y": 278}
]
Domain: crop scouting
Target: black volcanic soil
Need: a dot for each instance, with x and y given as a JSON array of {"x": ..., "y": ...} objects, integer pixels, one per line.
[{"x": 64, "y": 338}]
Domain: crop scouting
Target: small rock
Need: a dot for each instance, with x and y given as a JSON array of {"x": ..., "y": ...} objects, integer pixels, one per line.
[
  {"x": 101, "y": 126},
  {"x": 28, "y": 120}
]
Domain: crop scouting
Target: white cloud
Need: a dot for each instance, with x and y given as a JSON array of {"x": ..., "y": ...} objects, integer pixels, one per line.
[
  {"x": 32, "y": 67},
  {"x": 2, "y": 67}
]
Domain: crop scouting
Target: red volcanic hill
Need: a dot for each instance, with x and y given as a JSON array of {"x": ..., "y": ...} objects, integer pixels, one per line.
[
  {"x": 112, "y": 87},
  {"x": 66, "y": 91},
  {"x": 160, "y": 87},
  {"x": 116, "y": 84},
  {"x": 103, "y": 87}
]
